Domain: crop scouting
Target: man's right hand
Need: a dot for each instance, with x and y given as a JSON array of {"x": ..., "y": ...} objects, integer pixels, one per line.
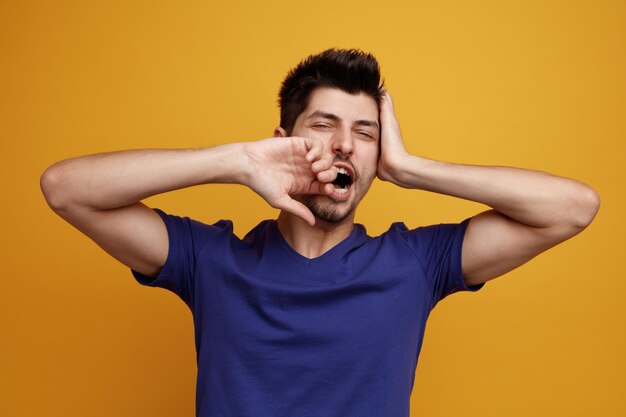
[
  {"x": 280, "y": 168},
  {"x": 100, "y": 195}
]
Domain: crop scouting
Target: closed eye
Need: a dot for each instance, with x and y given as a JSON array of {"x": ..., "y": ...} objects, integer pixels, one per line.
[{"x": 367, "y": 135}]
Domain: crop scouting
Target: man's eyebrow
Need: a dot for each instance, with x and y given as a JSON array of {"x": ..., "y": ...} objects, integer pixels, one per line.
[
  {"x": 326, "y": 115},
  {"x": 367, "y": 123}
]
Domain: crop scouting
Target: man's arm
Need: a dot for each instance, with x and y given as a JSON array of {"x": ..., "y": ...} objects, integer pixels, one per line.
[
  {"x": 532, "y": 211},
  {"x": 100, "y": 194}
]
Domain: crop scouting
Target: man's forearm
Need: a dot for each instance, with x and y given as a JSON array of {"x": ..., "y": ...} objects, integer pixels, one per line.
[
  {"x": 117, "y": 179},
  {"x": 531, "y": 197}
]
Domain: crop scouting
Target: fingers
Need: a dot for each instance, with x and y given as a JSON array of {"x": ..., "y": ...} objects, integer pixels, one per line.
[
  {"x": 316, "y": 155},
  {"x": 323, "y": 167},
  {"x": 393, "y": 153},
  {"x": 387, "y": 97},
  {"x": 386, "y": 108},
  {"x": 323, "y": 188},
  {"x": 316, "y": 148},
  {"x": 387, "y": 111},
  {"x": 390, "y": 127},
  {"x": 328, "y": 175}
]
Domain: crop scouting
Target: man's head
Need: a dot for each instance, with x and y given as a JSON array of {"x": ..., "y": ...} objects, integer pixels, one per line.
[
  {"x": 335, "y": 96},
  {"x": 349, "y": 70}
]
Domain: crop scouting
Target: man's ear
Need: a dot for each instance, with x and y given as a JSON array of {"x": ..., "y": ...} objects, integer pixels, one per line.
[{"x": 279, "y": 132}]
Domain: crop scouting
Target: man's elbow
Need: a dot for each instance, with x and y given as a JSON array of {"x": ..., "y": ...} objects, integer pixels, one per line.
[
  {"x": 587, "y": 204},
  {"x": 51, "y": 182}
]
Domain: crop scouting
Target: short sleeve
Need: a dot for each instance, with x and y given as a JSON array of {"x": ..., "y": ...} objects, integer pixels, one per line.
[
  {"x": 185, "y": 238},
  {"x": 438, "y": 248}
]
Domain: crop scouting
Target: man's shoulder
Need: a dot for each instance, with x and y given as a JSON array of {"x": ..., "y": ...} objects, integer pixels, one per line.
[
  {"x": 184, "y": 225},
  {"x": 400, "y": 226},
  {"x": 424, "y": 234},
  {"x": 225, "y": 228},
  {"x": 395, "y": 229}
]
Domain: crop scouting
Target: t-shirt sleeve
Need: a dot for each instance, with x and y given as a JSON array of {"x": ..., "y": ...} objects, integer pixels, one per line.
[
  {"x": 185, "y": 238},
  {"x": 438, "y": 248}
]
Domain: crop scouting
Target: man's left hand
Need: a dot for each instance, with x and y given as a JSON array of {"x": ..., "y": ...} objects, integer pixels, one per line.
[{"x": 392, "y": 150}]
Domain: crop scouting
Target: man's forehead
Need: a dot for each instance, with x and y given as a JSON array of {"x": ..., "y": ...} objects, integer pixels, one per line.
[{"x": 346, "y": 106}]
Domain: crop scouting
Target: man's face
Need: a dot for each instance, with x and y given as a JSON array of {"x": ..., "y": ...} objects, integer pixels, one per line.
[{"x": 349, "y": 127}]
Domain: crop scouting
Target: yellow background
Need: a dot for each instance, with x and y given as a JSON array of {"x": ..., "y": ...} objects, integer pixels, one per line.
[{"x": 536, "y": 84}]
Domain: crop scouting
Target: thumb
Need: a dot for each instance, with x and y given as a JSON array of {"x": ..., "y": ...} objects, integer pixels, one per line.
[{"x": 295, "y": 207}]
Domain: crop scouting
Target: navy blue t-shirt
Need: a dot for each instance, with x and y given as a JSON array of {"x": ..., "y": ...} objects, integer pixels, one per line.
[{"x": 281, "y": 335}]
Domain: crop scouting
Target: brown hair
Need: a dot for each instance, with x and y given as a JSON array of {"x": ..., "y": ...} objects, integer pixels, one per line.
[{"x": 349, "y": 70}]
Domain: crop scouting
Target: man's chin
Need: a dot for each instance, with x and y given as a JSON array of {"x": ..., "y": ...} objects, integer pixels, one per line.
[{"x": 328, "y": 209}]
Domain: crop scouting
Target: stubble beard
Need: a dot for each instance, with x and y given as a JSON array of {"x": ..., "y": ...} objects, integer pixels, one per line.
[{"x": 329, "y": 212}]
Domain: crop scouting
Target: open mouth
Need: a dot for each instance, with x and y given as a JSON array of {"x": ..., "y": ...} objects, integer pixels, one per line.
[{"x": 343, "y": 181}]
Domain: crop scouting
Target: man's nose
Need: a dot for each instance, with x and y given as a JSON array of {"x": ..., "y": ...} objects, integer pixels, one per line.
[{"x": 342, "y": 143}]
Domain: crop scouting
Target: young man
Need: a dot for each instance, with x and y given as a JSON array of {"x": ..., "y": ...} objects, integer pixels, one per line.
[{"x": 308, "y": 315}]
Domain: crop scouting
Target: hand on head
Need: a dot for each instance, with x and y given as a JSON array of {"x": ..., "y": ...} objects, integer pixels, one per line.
[{"x": 392, "y": 150}]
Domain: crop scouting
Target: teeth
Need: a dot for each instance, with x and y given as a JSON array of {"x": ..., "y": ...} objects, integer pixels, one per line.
[
  {"x": 342, "y": 171},
  {"x": 341, "y": 190}
]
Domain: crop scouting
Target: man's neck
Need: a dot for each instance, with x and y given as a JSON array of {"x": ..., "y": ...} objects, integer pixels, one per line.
[{"x": 313, "y": 241}]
